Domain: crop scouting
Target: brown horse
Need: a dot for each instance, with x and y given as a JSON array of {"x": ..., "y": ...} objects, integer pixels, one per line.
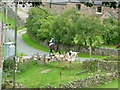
[
  {"x": 118, "y": 46},
  {"x": 53, "y": 47}
]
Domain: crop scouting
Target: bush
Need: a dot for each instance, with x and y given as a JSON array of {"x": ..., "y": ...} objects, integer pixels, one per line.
[
  {"x": 111, "y": 58},
  {"x": 38, "y": 23},
  {"x": 94, "y": 65},
  {"x": 91, "y": 65},
  {"x": 8, "y": 65},
  {"x": 25, "y": 65}
]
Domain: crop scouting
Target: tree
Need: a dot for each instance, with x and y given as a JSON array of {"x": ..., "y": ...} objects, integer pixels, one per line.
[
  {"x": 38, "y": 23},
  {"x": 111, "y": 31},
  {"x": 89, "y": 31},
  {"x": 71, "y": 28},
  {"x": 62, "y": 28},
  {"x": 111, "y": 4}
]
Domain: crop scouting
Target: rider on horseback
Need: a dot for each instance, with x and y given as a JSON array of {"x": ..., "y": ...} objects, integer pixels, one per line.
[{"x": 52, "y": 41}]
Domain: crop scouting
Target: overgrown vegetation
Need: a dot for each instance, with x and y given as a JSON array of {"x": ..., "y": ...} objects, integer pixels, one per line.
[
  {"x": 106, "y": 64},
  {"x": 72, "y": 28},
  {"x": 112, "y": 58}
]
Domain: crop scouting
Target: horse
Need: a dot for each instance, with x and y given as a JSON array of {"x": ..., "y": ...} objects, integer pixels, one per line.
[
  {"x": 118, "y": 46},
  {"x": 54, "y": 47}
]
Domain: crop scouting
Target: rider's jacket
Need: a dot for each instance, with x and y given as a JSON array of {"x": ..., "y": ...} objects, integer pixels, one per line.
[{"x": 52, "y": 40}]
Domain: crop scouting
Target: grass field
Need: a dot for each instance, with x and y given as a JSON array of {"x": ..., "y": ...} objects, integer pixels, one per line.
[
  {"x": 36, "y": 45},
  {"x": 113, "y": 84},
  {"x": 59, "y": 73},
  {"x": 36, "y": 77}
]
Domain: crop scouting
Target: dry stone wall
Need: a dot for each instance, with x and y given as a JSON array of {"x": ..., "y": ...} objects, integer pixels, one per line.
[
  {"x": 101, "y": 51},
  {"x": 94, "y": 65},
  {"x": 11, "y": 14},
  {"x": 95, "y": 50},
  {"x": 89, "y": 81}
]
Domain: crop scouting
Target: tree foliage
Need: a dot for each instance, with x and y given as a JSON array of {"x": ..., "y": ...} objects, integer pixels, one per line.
[
  {"x": 71, "y": 28},
  {"x": 111, "y": 31},
  {"x": 38, "y": 23}
]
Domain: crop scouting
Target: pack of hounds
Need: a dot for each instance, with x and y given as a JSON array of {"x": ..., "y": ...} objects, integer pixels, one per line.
[{"x": 67, "y": 56}]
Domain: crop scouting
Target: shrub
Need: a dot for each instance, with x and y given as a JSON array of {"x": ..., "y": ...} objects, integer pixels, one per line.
[
  {"x": 109, "y": 58},
  {"x": 8, "y": 65},
  {"x": 94, "y": 65},
  {"x": 25, "y": 65},
  {"x": 91, "y": 65}
]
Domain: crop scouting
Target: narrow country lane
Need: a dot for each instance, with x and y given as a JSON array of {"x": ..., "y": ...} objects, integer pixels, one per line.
[
  {"x": 21, "y": 45},
  {"x": 25, "y": 48}
]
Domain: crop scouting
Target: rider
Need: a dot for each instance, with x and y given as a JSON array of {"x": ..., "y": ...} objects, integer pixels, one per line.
[{"x": 52, "y": 41}]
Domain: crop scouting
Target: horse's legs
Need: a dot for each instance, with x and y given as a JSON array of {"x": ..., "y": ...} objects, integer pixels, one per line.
[
  {"x": 59, "y": 52},
  {"x": 50, "y": 50}
]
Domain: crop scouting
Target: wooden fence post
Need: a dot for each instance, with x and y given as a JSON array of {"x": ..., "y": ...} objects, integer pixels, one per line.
[
  {"x": 44, "y": 58},
  {"x": 37, "y": 56}
]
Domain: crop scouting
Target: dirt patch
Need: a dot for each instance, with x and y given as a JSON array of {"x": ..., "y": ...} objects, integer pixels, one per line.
[{"x": 45, "y": 71}]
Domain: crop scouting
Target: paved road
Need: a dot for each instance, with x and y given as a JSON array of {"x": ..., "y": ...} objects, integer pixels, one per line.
[
  {"x": 21, "y": 45},
  {"x": 25, "y": 48}
]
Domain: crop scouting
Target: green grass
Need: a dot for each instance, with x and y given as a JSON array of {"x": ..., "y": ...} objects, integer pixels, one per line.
[
  {"x": 113, "y": 84},
  {"x": 36, "y": 45},
  {"x": 33, "y": 43},
  {"x": 88, "y": 56},
  {"x": 21, "y": 54},
  {"x": 33, "y": 78},
  {"x": 60, "y": 72}
]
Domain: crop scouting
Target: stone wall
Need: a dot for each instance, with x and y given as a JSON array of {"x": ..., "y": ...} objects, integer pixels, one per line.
[
  {"x": 111, "y": 68},
  {"x": 94, "y": 65},
  {"x": 78, "y": 48},
  {"x": 11, "y": 14},
  {"x": 58, "y": 8},
  {"x": 95, "y": 50},
  {"x": 89, "y": 81},
  {"x": 101, "y": 51}
]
